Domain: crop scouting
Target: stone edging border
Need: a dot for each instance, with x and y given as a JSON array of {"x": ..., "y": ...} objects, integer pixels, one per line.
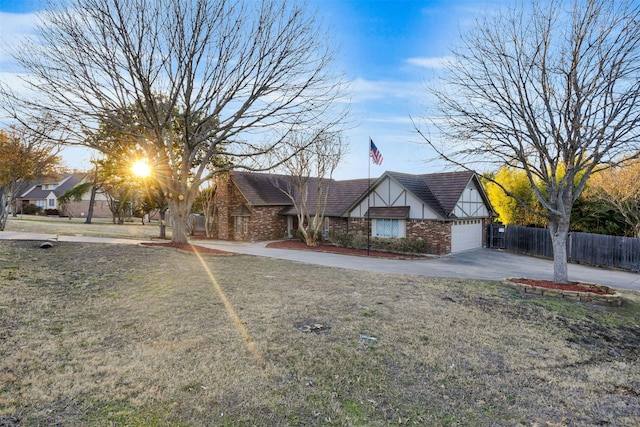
[{"x": 612, "y": 300}]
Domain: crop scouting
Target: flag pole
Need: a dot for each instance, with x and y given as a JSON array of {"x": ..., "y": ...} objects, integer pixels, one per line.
[{"x": 369, "y": 199}]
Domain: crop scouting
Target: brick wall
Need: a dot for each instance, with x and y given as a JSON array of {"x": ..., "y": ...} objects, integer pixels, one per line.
[
  {"x": 436, "y": 233},
  {"x": 266, "y": 224},
  {"x": 222, "y": 228}
]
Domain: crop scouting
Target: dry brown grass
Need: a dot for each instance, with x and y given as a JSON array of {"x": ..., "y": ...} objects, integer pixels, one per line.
[
  {"x": 127, "y": 335},
  {"x": 100, "y": 227}
]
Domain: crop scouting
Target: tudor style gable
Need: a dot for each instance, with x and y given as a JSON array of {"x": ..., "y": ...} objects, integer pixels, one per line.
[{"x": 472, "y": 202}]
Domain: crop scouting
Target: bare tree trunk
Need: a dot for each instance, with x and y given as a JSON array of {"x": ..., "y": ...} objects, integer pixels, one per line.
[
  {"x": 4, "y": 210},
  {"x": 92, "y": 200},
  {"x": 179, "y": 220},
  {"x": 163, "y": 223},
  {"x": 559, "y": 230}
]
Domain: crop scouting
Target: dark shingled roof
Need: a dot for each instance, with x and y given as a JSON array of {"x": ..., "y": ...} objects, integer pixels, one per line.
[
  {"x": 261, "y": 189},
  {"x": 37, "y": 192},
  {"x": 440, "y": 191},
  {"x": 265, "y": 190}
]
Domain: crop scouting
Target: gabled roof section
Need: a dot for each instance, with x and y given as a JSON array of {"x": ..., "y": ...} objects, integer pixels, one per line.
[
  {"x": 448, "y": 187},
  {"x": 439, "y": 191},
  {"x": 64, "y": 182}
]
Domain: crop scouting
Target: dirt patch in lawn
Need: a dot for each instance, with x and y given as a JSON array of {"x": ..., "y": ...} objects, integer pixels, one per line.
[
  {"x": 94, "y": 334},
  {"x": 295, "y": 244}
]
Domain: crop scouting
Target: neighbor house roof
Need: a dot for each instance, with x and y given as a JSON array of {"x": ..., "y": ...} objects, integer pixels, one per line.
[{"x": 64, "y": 182}]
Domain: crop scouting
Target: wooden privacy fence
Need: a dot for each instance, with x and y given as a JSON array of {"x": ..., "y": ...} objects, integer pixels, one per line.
[{"x": 583, "y": 248}]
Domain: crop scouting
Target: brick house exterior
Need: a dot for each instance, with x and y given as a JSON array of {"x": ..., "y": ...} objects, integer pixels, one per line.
[{"x": 449, "y": 211}]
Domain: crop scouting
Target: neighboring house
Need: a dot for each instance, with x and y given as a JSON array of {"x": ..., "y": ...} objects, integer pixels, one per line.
[
  {"x": 44, "y": 195},
  {"x": 448, "y": 210}
]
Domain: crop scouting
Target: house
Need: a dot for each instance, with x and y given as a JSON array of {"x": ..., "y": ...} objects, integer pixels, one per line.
[
  {"x": 448, "y": 210},
  {"x": 44, "y": 196}
]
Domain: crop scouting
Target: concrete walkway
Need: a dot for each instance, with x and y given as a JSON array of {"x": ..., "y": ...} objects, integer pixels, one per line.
[{"x": 488, "y": 264}]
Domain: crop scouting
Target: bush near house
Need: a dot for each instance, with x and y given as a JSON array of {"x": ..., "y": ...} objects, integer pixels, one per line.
[
  {"x": 400, "y": 245},
  {"x": 31, "y": 209}
]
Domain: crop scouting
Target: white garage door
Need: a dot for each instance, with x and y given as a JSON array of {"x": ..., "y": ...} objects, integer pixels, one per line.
[{"x": 466, "y": 234}]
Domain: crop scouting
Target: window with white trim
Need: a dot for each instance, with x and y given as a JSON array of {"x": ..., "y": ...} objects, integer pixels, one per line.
[{"x": 388, "y": 228}]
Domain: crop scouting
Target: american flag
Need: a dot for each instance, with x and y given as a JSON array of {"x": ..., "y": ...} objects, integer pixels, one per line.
[{"x": 375, "y": 153}]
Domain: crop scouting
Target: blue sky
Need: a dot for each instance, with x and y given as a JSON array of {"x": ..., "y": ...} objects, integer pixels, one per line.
[{"x": 389, "y": 49}]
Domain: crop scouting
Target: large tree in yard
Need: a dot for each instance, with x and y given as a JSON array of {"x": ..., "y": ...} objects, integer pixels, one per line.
[
  {"x": 25, "y": 157},
  {"x": 206, "y": 78},
  {"x": 551, "y": 88}
]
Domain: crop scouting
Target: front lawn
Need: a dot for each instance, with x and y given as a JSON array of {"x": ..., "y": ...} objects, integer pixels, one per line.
[{"x": 94, "y": 334}]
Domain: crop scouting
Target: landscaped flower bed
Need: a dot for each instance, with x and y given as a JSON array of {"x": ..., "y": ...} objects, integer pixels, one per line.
[{"x": 588, "y": 292}]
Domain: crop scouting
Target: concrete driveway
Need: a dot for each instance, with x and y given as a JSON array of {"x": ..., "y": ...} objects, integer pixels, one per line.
[{"x": 489, "y": 264}]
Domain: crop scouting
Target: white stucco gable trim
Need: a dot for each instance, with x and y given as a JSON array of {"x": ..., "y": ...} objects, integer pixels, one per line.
[
  {"x": 387, "y": 192},
  {"x": 471, "y": 203}
]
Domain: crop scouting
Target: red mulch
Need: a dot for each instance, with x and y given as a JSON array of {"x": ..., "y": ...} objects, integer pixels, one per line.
[
  {"x": 188, "y": 247},
  {"x": 296, "y": 244},
  {"x": 571, "y": 286}
]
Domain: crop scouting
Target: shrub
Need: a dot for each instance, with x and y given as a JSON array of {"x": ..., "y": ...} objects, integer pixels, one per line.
[
  {"x": 359, "y": 241},
  {"x": 342, "y": 240},
  {"x": 297, "y": 235},
  {"x": 31, "y": 209},
  {"x": 53, "y": 212}
]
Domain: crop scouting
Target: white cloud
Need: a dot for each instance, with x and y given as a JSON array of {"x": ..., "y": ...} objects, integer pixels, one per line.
[
  {"x": 15, "y": 27},
  {"x": 431, "y": 63},
  {"x": 384, "y": 89}
]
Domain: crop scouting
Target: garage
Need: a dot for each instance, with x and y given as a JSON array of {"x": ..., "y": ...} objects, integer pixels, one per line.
[{"x": 466, "y": 234}]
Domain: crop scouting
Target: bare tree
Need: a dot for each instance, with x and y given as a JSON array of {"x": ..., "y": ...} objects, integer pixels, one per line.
[
  {"x": 552, "y": 88},
  {"x": 209, "y": 198},
  {"x": 25, "y": 157},
  {"x": 206, "y": 77},
  {"x": 308, "y": 178}
]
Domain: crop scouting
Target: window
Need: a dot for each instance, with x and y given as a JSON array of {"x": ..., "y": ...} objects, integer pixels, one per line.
[
  {"x": 326, "y": 227},
  {"x": 388, "y": 228},
  {"x": 242, "y": 224},
  {"x": 52, "y": 203},
  {"x": 41, "y": 203}
]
